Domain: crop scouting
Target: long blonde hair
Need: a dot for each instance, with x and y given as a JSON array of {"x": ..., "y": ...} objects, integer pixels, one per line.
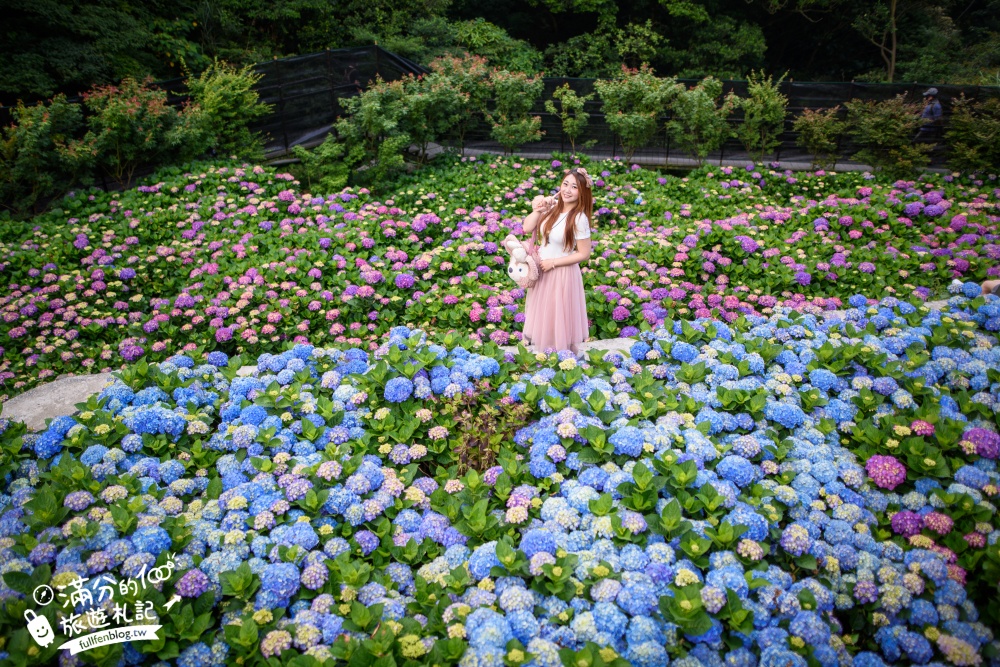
[{"x": 584, "y": 204}]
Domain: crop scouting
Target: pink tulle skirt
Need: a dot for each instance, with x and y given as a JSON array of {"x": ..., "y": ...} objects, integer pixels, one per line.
[{"x": 555, "y": 312}]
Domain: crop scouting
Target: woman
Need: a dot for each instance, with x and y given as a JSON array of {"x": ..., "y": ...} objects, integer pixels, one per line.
[{"x": 556, "y": 309}]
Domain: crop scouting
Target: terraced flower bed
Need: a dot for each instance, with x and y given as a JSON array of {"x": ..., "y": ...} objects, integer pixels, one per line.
[
  {"x": 242, "y": 259},
  {"x": 784, "y": 490},
  {"x": 756, "y": 482}
]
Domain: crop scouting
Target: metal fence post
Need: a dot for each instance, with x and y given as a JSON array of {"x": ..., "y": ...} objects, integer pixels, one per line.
[
  {"x": 281, "y": 106},
  {"x": 666, "y": 160},
  {"x": 329, "y": 80}
]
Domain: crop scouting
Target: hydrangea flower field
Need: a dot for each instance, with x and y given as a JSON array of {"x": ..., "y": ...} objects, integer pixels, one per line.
[
  {"x": 242, "y": 258},
  {"x": 754, "y": 483}
]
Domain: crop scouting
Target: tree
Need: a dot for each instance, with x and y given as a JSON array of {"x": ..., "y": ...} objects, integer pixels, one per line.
[
  {"x": 632, "y": 103},
  {"x": 880, "y": 26},
  {"x": 570, "y": 112},
  {"x": 514, "y": 94},
  {"x": 763, "y": 114},
  {"x": 590, "y": 56},
  {"x": 884, "y": 132},
  {"x": 433, "y": 109},
  {"x": 492, "y": 42},
  {"x": 229, "y": 102},
  {"x": 34, "y": 163},
  {"x": 637, "y": 43},
  {"x": 712, "y": 37},
  {"x": 131, "y": 126},
  {"x": 51, "y": 46},
  {"x": 468, "y": 76},
  {"x": 973, "y": 134},
  {"x": 374, "y": 130},
  {"x": 819, "y": 132},
  {"x": 699, "y": 122}
]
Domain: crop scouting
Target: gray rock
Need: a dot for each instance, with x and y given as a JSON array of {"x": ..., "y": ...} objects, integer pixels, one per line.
[
  {"x": 54, "y": 399},
  {"x": 61, "y": 397}
]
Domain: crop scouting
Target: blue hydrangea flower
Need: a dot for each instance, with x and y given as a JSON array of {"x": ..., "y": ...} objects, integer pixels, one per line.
[
  {"x": 628, "y": 441},
  {"x": 683, "y": 352},
  {"x": 398, "y": 389},
  {"x": 737, "y": 470}
]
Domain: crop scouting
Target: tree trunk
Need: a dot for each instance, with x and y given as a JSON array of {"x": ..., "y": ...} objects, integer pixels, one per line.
[{"x": 892, "y": 35}]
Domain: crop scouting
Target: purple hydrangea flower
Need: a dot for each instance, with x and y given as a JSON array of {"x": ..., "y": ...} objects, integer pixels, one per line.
[{"x": 886, "y": 471}]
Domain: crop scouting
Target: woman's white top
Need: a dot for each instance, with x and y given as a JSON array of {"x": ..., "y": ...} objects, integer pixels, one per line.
[{"x": 554, "y": 248}]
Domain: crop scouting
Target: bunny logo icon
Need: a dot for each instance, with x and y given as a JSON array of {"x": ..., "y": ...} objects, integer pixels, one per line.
[{"x": 39, "y": 628}]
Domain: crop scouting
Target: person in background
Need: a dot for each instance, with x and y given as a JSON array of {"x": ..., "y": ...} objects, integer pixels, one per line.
[{"x": 931, "y": 116}]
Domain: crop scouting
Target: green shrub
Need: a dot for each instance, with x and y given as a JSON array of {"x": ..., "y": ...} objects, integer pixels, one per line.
[
  {"x": 570, "y": 112},
  {"x": 468, "y": 76},
  {"x": 884, "y": 131},
  {"x": 492, "y": 42},
  {"x": 35, "y": 164},
  {"x": 819, "y": 132},
  {"x": 973, "y": 135},
  {"x": 373, "y": 131},
  {"x": 637, "y": 43},
  {"x": 433, "y": 109},
  {"x": 698, "y": 124},
  {"x": 131, "y": 126},
  {"x": 633, "y": 102},
  {"x": 588, "y": 56},
  {"x": 763, "y": 115},
  {"x": 514, "y": 94},
  {"x": 229, "y": 104},
  {"x": 323, "y": 168}
]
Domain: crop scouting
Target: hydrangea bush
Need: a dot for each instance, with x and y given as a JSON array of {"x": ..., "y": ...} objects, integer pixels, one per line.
[
  {"x": 779, "y": 490},
  {"x": 241, "y": 258}
]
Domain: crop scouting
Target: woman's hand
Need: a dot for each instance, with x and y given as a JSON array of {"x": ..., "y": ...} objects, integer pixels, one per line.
[
  {"x": 548, "y": 265},
  {"x": 540, "y": 204}
]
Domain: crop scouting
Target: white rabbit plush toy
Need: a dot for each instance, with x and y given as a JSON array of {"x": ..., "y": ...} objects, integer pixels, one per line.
[
  {"x": 523, "y": 267},
  {"x": 525, "y": 264}
]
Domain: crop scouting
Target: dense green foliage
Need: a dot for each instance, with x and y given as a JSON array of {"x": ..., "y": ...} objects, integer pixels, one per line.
[
  {"x": 819, "y": 132},
  {"x": 34, "y": 160},
  {"x": 467, "y": 76},
  {"x": 568, "y": 106},
  {"x": 54, "y": 46},
  {"x": 229, "y": 102},
  {"x": 633, "y": 101},
  {"x": 763, "y": 115},
  {"x": 884, "y": 132},
  {"x": 132, "y": 126},
  {"x": 699, "y": 122},
  {"x": 974, "y": 132},
  {"x": 514, "y": 94},
  {"x": 121, "y": 131}
]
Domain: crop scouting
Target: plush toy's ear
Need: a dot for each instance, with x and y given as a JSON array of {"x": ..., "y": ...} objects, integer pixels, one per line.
[{"x": 510, "y": 243}]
